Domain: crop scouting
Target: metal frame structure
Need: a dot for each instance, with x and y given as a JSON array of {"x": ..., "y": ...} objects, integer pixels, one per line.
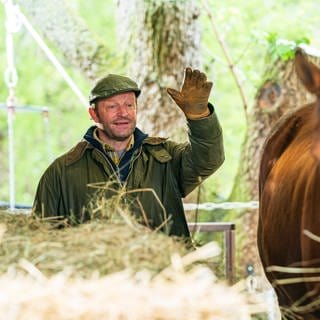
[{"x": 229, "y": 242}]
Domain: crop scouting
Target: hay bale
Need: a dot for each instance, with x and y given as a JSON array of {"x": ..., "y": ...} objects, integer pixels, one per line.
[{"x": 102, "y": 246}]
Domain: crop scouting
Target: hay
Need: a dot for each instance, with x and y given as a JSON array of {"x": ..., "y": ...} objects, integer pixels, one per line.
[
  {"x": 102, "y": 246},
  {"x": 109, "y": 268},
  {"x": 173, "y": 294}
]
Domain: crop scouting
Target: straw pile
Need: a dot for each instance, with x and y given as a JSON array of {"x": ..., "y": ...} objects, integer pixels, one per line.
[
  {"x": 122, "y": 296},
  {"x": 102, "y": 246},
  {"x": 111, "y": 268}
]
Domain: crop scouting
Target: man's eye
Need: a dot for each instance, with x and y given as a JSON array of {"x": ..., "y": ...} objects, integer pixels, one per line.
[{"x": 112, "y": 106}]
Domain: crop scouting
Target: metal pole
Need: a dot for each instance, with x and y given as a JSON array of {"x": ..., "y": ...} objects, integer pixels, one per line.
[
  {"x": 229, "y": 235},
  {"x": 11, "y": 78},
  {"x": 11, "y": 157},
  {"x": 229, "y": 238},
  {"x": 45, "y": 117}
]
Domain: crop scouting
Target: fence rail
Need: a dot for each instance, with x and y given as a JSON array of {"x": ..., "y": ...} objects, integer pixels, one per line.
[{"x": 229, "y": 242}]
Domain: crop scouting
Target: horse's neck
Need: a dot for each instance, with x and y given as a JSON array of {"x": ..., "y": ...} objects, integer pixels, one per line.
[{"x": 315, "y": 146}]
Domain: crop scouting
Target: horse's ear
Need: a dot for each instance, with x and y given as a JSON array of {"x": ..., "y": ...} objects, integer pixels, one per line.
[{"x": 307, "y": 71}]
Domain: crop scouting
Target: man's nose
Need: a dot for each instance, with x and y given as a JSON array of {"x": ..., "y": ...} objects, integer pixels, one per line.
[{"x": 122, "y": 110}]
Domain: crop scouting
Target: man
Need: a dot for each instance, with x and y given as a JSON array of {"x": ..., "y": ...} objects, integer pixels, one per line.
[{"x": 118, "y": 156}]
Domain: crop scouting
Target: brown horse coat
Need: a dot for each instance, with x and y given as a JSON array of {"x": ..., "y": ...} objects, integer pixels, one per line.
[{"x": 289, "y": 188}]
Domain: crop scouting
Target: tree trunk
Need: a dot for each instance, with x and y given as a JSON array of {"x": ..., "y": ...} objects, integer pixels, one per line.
[
  {"x": 164, "y": 38},
  {"x": 62, "y": 26},
  {"x": 280, "y": 93}
]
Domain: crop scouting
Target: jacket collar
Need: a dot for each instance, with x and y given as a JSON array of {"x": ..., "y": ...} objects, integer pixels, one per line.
[
  {"x": 77, "y": 152},
  {"x": 139, "y": 137},
  {"x": 89, "y": 142}
]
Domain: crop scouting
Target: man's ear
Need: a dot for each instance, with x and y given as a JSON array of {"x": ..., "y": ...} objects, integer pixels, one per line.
[{"x": 93, "y": 114}]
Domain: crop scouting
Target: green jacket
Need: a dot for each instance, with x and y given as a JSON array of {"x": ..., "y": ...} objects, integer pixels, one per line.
[{"x": 172, "y": 170}]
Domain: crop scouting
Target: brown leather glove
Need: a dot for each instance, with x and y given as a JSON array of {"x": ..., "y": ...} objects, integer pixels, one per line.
[{"x": 194, "y": 94}]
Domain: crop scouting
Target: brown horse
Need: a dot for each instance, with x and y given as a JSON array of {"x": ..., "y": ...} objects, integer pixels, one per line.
[{"x": 289, "y": 214}]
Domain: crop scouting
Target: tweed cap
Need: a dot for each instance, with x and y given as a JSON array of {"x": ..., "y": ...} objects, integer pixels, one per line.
[{"x": 112, "y": 84}]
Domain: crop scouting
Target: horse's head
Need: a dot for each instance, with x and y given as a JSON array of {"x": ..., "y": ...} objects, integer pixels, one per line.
[{"x": 309, "y": 74}]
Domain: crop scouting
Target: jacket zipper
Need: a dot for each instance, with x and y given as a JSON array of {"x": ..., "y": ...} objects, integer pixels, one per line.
[
  {"x": 115, "y": 172},
  {"x": 136, "y": 155}
]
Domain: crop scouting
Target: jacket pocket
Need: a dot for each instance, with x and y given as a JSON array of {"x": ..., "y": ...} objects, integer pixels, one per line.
[{"x": 160, "y": 154}]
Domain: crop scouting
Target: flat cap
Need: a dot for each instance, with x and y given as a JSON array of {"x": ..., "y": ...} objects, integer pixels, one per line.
[{"x": 113, "y": 84}]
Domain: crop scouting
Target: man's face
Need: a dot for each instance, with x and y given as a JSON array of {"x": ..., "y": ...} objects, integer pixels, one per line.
[{"x": 116, "y": 115}]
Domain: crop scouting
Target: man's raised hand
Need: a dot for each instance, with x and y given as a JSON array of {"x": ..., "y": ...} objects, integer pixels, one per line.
[{"x": 194, "y": 95}]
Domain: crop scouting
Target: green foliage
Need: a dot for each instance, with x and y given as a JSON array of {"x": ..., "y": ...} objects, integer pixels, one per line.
[
  {"x": 282, "y": 48},
  {"x": 244, "y": 27}
]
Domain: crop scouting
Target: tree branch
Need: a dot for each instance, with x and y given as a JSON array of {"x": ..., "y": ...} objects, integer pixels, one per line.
[{"x": 225, "y": 50}]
